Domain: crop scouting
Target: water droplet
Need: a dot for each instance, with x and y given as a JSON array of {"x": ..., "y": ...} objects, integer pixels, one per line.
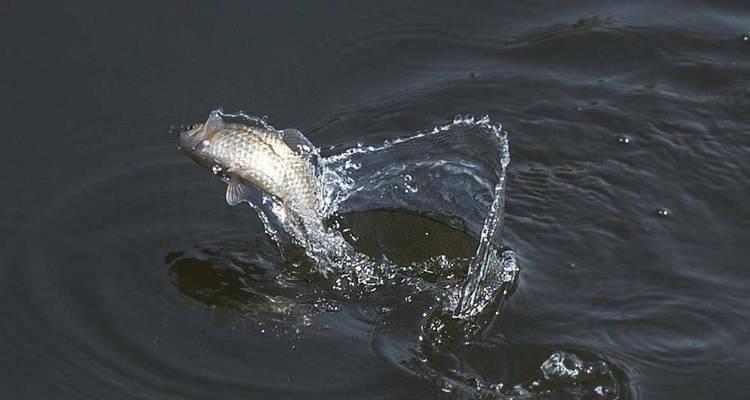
[
  {"x": 663, "y": 212},
  {"x": 572, "y": 265},
  {"x": 623, "y": 139},
  {"x": 521, "y": 392},
  {"x": 447, "y": 388},
  {"x": 409, "y": 185},
  {"x": 746, "y": 37},
  {"x": 561, "y": 365}
]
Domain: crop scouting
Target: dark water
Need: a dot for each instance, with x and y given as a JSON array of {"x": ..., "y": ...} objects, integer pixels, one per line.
[{"x": 126, "y": 275}]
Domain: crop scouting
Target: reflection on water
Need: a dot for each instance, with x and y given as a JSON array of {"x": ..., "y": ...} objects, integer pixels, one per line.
[{"x": 221, "y": 275}]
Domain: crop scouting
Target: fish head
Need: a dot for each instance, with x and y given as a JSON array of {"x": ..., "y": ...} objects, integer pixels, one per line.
[
  {"x": 195, "y": 140},
  {"x": 191, "y": 135}
]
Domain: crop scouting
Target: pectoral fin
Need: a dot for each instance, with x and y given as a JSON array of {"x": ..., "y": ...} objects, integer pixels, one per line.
[{"x": 237, "y": 192}]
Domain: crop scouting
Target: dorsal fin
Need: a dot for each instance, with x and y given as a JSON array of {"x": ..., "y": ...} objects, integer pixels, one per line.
[
  {"x": 302, "y": 146},
  {"x": 296, "y": 140},
  {"x": 214, "y": 123}
]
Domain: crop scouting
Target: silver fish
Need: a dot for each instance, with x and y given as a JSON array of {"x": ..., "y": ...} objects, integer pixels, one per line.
[{"x": 280, "y": 163}]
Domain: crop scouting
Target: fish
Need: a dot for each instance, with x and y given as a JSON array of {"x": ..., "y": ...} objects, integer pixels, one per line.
[{"x": 252, "y": 157}]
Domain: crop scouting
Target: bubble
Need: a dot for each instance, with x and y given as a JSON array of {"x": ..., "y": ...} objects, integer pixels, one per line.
[
  {"x": 745, "y": 37},
  {"x": 663, "y": 212},
  {"x": 623, "y": 139}
]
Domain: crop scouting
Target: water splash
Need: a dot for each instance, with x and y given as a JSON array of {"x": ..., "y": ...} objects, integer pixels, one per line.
[{"x": 453, "y": 172}]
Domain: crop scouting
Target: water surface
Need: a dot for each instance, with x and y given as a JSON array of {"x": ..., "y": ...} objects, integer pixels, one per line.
[{"x": 126, "y": 275}]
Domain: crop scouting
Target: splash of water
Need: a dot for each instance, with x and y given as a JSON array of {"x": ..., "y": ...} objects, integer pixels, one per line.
[{"x": 453, "y": 172}]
